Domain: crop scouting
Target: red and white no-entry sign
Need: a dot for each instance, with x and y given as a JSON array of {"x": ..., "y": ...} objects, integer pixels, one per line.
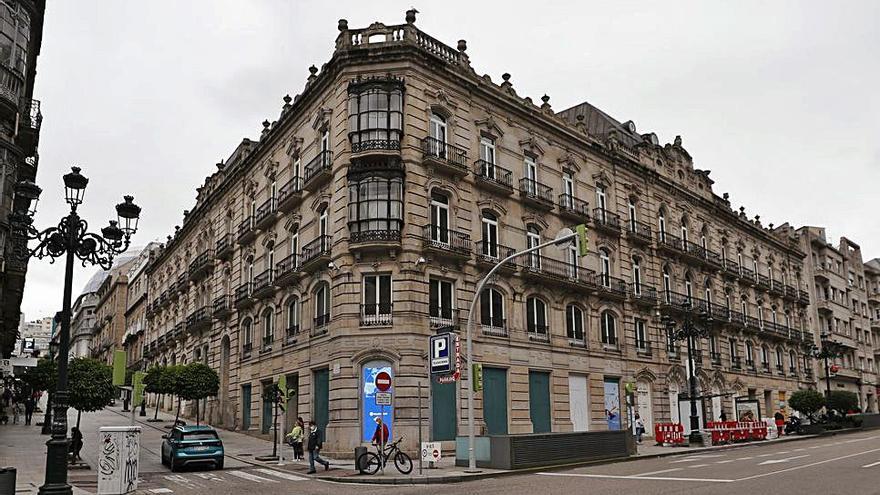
[{"x": 383, "y": 381}]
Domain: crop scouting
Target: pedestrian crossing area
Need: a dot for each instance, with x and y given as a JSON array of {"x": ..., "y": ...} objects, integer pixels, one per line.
[{"x": 159, "y": 483}]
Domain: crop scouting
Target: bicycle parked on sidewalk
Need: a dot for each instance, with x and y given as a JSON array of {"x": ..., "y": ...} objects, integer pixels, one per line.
[{"x": 370, "y": 462}]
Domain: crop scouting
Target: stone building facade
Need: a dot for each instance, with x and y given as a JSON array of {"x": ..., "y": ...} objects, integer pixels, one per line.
[
  {"x": 360, "y": 221},
  {"x": 110, "y": 312},
  {"x": 135, "y": 308},
  {"x": 21, "y": 35},
  {"x": 844, "y": 295}
]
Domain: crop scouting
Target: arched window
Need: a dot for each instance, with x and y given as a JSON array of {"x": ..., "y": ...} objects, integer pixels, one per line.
[
  {"x": 708, "y": 294},
  {"x": 667, "y": 285},
  {"x": 533, "y": 239},
  {"x": 489, "y": 243},
  {"x": 375, "y": 204},
  {"x": 268, "y": 318},
  {"x": 744, "y": 307},
  {"x": 750, "y": 358},
  {"x": 601, "y": 199},
  {"x": 688, "y": 288},
  {"x": 487, "y": 158},
  {"x": 323, "y": 229},
  {"x": 765, "y": 357},
  {"x": 633, "y": 215},
  {"x": 294, "y": 241},
  {"x": 438, "y": 130},
  {"x": 605, "y": 267},
  {"x": 792, "y": 362},
  {"x": 684, "y": 231},
  {"x": 246, "y": 333},
  {"x": 661, "y": 225},
  {"x": 375, "y": 114},
  {"x": 609, "y": 328},
  {"x": 250, "y": 270},
  {"x": 536, "y": 316},
  {"x": 574, "y": 323},
  {"x": 779, "y": 359},
  {"x": 761, "y": 315},
  {"x": 292, "y": 317},
  {"x": 439, "y": 217},
  {"x": 270, "y": 257},
  {"x": 322, "y": 306},
  {"x": 492, "y": 309},
  {"x": 704, "y": 240}
]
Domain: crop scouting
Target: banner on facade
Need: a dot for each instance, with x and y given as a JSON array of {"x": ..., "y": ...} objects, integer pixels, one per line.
[
  {"x": 747, "y": 409},
  {"x": 612, "y": 403},
  {"x": 118, "y": 368},
  {"x": 372, "y": 410}
]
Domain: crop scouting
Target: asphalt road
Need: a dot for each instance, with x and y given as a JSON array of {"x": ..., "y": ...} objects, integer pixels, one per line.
[{"x": 846, "y": 463}]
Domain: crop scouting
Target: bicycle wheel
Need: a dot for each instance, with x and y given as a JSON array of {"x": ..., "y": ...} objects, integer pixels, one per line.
[
  {"x": 403, "y": 463},
  {"x": 368, "y": 462}
]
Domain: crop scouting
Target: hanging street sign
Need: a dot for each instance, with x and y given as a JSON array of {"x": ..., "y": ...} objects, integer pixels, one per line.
[{"x": 441, "y": 348}]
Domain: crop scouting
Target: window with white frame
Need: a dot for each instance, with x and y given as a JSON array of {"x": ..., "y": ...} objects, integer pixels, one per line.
[
  {"x": 487, "y": 157},
  {"x": 536, "y": 316},
  {"x": 489, "y": 243},
  {"x": 605, "y": 267},
  {"x": 322, "y": 305},
  {"x": 293, "y": 316},
  {"x": 609, "y": 328},
  {"x": 637, "y": 275},
  {"x": 376, "y": 299},
  {"x": 574, "y": 323},
  {"x": 268, "y": 327},
  {"x": 439, "y": 217},
  {"x": 641, "y": 334},
  {"x": 492, "y": 308},
  {"x": 441, "y": 301},
  {"x": 533, "y": 239},
  {"x": 633, "y": 215}
]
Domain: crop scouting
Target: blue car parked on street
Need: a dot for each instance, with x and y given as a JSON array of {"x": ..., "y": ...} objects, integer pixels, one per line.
[{"x": 192, "y": 446}]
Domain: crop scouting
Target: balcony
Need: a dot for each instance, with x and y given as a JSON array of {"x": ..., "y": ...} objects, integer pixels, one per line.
[
  {"x": 639, "y": 232},
  {"x": 675, "y": 300},
  {"x": 494, "y": 327},
  {"x": 610, "y": 287},
  {"x": 445, "y": 242},
  {"x": 222, "y": 306},
  {"x": 444, "y": 156},
  {"x": 574, "y": 208},
  {"x": 265, "y": 214},
  {"x": 316, "y": 254},
  {"x": 746, "y": 275},
  {"x": 376, "y": 315},
  {"x": 731, "y": 268},
  {"x": 763, "y": 281},
  {"x": 715, "y": 358},
  {"x": 790, "y": 293},
  {"x": 290, "y": 195},
  {"x": 201, "y": 265},
  {"x": 287, "y": 270},
  {"x": 321, "y": 325},
  {"x": 544, "y": 269},
  {"x": 777, "y": 287},
  {"x": 803, "y": 297},
  {"x": 753, "y": 323},
  {"x": 290, "y": 334},
  {"x": 538, "y": 333},
  {"x": 199, "y": 319},
  {"x": 243, "y": 296},
  {"x": 643, "y": 294},
  {"x": 606, "y": 221},
  {"x": 490, "y": 253},
  {"x": 182, "y": 284},
  {"x": 319, "y": 171},
  {"x": 493, "y": 178},
  {"x": 695, "y": 251},
  {"x": 246, "y": 230},
  {"x": 670, "y": 243},
  {"x": 368, "y": 240},
  {"x": 442, "y": 318},
  {"x": 263, "y": 286},
  {"x": 825, "y": 306},
  {"x": 246, "y": 349},
  {"x": 29, "y": 130},
  {"x": 178, "y": 330},
  {"x": 536, "y": 194},
  {"x": 874, "y": 296},
  {"x": 736, "y": 363},
  {"x": 380, "y": 145},
  {"x": 223, "y": 248},
  {"x": 875, "y": 323},
  {"x": 11, "y": 87}
]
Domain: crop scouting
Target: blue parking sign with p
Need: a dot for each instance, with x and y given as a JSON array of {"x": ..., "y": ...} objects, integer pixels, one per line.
[{"x": 441, "y": 354}]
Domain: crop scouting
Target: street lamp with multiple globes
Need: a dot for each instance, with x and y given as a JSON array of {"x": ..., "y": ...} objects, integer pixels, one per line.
[
  {"x": 692, "y": 327},
  {"x": 830, "y": 349},
  {"x": 70, "y": 238}
]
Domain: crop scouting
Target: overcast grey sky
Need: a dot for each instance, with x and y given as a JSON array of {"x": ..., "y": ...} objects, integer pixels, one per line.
[{"x": 778, "y": 99}]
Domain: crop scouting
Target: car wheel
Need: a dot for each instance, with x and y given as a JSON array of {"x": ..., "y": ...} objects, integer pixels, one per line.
[
  {"x": 162, "y": 456},
  {"x": 174, "y": 466},
  {"x": 220, "y": 464}
]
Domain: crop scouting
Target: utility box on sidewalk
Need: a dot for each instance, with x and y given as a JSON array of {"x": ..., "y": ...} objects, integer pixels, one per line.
[
  {"x": 118, "y": 454},
  {"x": 7, "y": 479}
]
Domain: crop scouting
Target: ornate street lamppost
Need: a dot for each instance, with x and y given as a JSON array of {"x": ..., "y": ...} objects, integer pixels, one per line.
[
  {"x": 692, "y": 327},
  {"x": 829, "y": 350},
  {"x": 71, "y": 239}
]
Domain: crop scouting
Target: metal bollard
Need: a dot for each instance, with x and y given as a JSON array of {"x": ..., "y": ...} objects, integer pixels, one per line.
[{"x": 7, "y": 480}]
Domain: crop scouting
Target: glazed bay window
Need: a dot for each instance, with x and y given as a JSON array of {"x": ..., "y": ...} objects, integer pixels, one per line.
[
  {"x": 375, "y": 114},
  {"x": 375, "y": 209},
  {"x": 376, "y": 300}
]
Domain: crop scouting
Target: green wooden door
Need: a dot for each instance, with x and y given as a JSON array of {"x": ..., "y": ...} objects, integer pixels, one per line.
[
  {"x": 321, "y": 403},
  {"x": 245, "y": 407},
  {"x": 539, "y": 401},
  {"x": 495, "y": 400},
  {"x": 443, "y": 411},
  {"x": 266, "y": 418}
]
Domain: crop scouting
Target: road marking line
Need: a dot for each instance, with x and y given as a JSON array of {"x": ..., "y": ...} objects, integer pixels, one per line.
[
  {"x": 815, "y": 447},
  {"x": 696, "y": 458},
  {"x": 726, "y": 461},
  {"x": 161, "y": 490},
  {"x": 698, "y": 466},
  {"x": 871, "y": 465},
  {"x": 251, "y": 477},
  {"x": 280, "y": 474},
  {"x": 177, "y": 478},
  {"x": 653, "y": 478},
  {"x": 746, "y": 458},
  {"x": 795, "y": 468},
  {"x": 798, "y": 450},
  {"x": 783, "y": 452},
  {"x": 658, "y": 472},
  {"x": 765, "y": 455},
  {"x": 777, "y": 461},
  {"x": 209, "y": 476}
]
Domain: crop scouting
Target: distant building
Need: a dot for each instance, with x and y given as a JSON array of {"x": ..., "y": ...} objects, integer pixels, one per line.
[
  {"x": 135, "y": 307},
  {"x": 34, "y": 338}
]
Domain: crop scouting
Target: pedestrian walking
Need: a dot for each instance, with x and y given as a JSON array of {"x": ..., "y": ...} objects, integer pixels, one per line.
[
  {"x": 295, "y": 438},
  {"x": 315, "y": 442},
  {"x": 29, "y": 405},
  {"x": 779, "y": 417},
  {"x": 16, "y": 411},
  {"x": 76, "y": 444},
  {"x": 640, "y": 428}
]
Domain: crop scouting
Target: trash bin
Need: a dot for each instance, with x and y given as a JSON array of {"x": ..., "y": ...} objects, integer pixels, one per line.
[
  {"x": 358, "y": 452},
  {"x": 7, "y": 480}
]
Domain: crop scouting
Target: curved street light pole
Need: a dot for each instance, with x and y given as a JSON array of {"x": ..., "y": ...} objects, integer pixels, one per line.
[
  {"x": 564, "y": 237},
  {"x": 71, "y": 239}
]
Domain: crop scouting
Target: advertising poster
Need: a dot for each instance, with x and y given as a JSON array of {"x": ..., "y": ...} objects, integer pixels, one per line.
[
  {"x": 747, "y": 409},
  {"x": 368, "y": 398},
  {"x": 612, "y": 404}
]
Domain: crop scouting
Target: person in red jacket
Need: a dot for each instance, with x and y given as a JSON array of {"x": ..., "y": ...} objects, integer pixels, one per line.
[{"x": 380, "y": 436}]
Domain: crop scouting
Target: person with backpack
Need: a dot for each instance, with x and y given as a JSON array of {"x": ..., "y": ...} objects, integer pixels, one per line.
[{"x": 315, "y": 442}]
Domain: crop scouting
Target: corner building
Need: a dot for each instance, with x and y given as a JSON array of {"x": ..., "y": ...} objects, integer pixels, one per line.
[{"x": 361, "y": 220}]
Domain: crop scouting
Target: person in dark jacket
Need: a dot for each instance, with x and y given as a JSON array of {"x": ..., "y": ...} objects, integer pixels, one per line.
[
  {"x": 29, "y": 405},
  {"x": 315, "y": 442}
]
